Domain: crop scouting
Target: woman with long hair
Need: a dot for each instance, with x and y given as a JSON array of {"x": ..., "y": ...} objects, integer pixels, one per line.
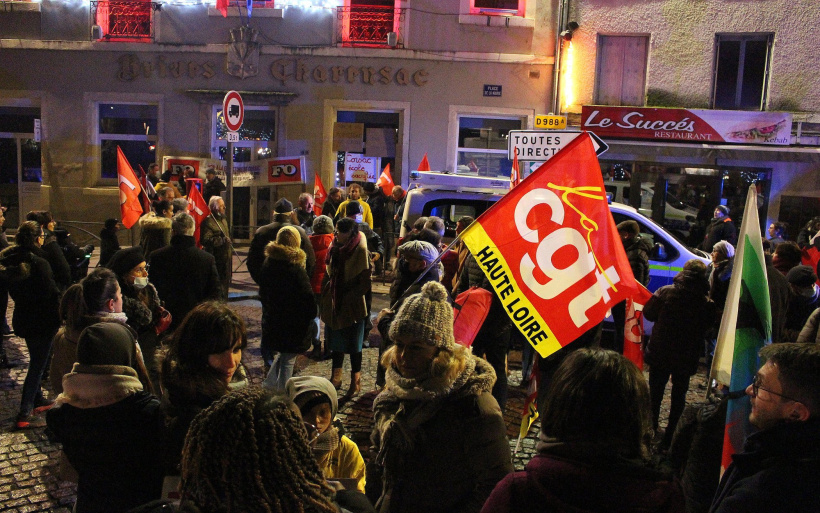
[
  {"x": 202, "y": 362},
  {"x": 344, "y": 307}
]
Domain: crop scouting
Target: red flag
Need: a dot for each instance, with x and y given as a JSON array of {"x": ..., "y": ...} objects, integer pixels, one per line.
[
  {"x": 424, "y": 165},
  {"x": 144, "y": 200},
  {"x": 130, "y": 207},
  {"x": 551, "y": 250},
  {"x": 319, "y": 195},
  {"x": 198, "y": 209},
  {"x": 222, "y": 6},
  {"x": 633, "y": 327},
  {"x": 515, "y": 174},
  {"x": 385, "y": 181}
]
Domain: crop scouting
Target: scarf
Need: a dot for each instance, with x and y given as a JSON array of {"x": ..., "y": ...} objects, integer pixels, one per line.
[
  {"x": 337, "y": 257},
  {"x": 95, "y": 386},
  {"x": 326, "y": 443}
]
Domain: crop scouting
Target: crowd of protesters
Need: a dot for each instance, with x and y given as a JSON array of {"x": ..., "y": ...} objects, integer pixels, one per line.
[{"x": 155, "y": 411}]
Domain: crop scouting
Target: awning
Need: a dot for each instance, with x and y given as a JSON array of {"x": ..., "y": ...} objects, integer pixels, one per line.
[{"x": 663, "y": 152}]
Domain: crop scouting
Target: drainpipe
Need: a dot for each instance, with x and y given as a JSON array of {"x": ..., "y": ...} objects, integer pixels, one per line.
[{"x": 563, "y": 15}]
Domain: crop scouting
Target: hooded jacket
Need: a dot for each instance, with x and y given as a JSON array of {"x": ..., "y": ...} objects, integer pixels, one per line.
[
  {"x": 111, "y": 431},
  {"x": 637, "y": 252},
  {"x": 30, "y": 283},
  {"x": 441, "y": 441},
  {"x": 321, "y": 244},
  {"x": 338, "y": 456},
  {"x": 289, "y": 307},
  {"x": 156, "y": 233}
]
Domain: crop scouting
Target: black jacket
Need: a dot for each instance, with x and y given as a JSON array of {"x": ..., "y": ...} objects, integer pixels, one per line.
[
  {"x": 28, "y": 277},
  {"x": 212, "y": 188},
  {"x": 184, "y": 276},
  {"x": 266, "y": 235},
  {"x": 53, "y": 253},
  {"x": 777, "y": 471},
  {"x": 718, "y": 230},
  {"x": 109, "y": 244},
  {"x": 637, "y": 252}
]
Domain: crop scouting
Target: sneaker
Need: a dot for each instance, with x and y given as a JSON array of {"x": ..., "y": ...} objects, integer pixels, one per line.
[
  {"x": 42, "y": 405},
  {"x": 29, "y": 422}
]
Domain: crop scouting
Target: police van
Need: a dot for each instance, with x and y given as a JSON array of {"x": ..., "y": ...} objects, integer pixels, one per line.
[{"x": 451, "y": 197}]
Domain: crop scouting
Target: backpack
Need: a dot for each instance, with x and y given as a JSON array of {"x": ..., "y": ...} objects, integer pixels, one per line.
[{"x": 469, "y": 312}]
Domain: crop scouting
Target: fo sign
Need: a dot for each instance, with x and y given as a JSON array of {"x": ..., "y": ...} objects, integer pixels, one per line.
[
  {"x": 287, "y": 170},
  {"x": 233, "y": 110}
]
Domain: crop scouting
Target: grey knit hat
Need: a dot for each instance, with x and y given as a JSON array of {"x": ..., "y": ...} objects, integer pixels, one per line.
[
  {"x": 322, "y": 225},
  {"x": 420, "y": 249},
  {"x": 426, "y": 317},
  {"x": 724, "y": 248}
]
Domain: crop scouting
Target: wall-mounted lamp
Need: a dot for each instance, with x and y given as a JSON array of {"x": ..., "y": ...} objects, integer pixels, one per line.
[{"x": 566, "y": 35}]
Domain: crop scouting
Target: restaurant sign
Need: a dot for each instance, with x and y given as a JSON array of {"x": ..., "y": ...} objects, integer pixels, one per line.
[{"x": 683, "y": 125}]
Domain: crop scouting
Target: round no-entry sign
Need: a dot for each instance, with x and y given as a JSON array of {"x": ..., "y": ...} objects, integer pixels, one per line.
[{"x": 233, "y": 110}]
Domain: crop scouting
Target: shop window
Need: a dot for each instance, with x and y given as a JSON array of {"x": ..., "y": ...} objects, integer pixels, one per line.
[
  {"x": 374, "y": 23},
  {"x": 497, "y": 7},
  {"x": 620, "y": 73},
  {"x": 257, "y": 136},
  {"x": 741, "y": 67},
  {"x": 132, "y": 127},
  {"x": 482, "y": 145},
  {"x": 124, "y": 20}
]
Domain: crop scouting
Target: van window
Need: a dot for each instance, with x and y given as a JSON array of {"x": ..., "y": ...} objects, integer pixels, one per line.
[
  {"x": 453, "y": 209},
  {"x": 647, "y": 232}
]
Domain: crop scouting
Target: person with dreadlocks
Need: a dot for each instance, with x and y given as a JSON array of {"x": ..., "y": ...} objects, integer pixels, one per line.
[
  {"x": 201, "y": 364},
  {"x": 338, "y": 456},
  {"x": 250, "y": 452},
  {"x": 344, "y": 307},
  {"x": 439, "y": 434}
]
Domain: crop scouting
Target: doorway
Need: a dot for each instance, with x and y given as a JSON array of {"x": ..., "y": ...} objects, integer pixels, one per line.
[{"x": 21, "y": 169}]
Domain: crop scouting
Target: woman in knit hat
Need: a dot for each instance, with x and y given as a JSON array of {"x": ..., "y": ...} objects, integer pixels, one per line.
[
  {"x": 344, "y": 307},
  {"x": 110, "y": 427},
  {"x": 439, "y": 434},
  {"x": 284, "y": 288}
]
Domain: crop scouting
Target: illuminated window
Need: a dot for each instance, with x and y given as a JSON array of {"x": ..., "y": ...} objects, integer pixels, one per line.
[
  {"x": 125, "y": 20},
  {"x": 620, "y": 75},
  {"x": 132, "y": 127},
  {"x": 497, "y": 7},
  {"x": 368, "y": 22},
  {"x": 257, "y": 136},
  {"x": 482, "y": 145}
]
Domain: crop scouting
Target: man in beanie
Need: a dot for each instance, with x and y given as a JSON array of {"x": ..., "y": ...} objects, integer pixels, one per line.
[
  {"x": 415, "y": 257},
  {"x": 338, "y": 456},
  {"x": 637, "y": 250},
  {"x": 804, "y": 300},
  {"x": 439, "y": 435},
  {"x": 720, "y": 228},
  {"x": 283, "y": 215},
  {"x": 183, "y": 274},
  {"x": 110, "y": 427}
]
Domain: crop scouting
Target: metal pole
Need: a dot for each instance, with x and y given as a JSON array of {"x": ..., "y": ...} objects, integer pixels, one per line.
[{"x": 229, "y": 187}]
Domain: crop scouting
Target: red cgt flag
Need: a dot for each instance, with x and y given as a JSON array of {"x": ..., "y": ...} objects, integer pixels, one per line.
[
  {"x": 198, "y": 209},
  {"x": 319, "y": 195},
  {"x": 130, "y": 206},
  {"x": 633, "y": 327},
  {"x": 385, "y": 181},
  {"x": 551, "y": 250},
  {"x": 424, "y": 165}
]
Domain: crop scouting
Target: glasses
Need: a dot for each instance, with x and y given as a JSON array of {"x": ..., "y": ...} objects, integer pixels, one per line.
[{"x": 756, "y": 386}]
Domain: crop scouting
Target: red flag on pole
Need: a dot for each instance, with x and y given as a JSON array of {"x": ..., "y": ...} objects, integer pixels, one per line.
[
  {"x": 515, "y": 174},
  {"x": 385, "y": 181},
  {"x": 552, "y": 252},
  {"x": 424, "y": 165},
  {"x": 222, "y": 6},
  {"x": 198, "y": 209},
  {"x": 130, "y": 207},
  {"x": 633, "y": 327},
  {"x": 319, "y": 195}
]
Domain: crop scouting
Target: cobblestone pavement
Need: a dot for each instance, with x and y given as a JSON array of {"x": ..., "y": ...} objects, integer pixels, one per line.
[{"x": 29, "y": 463}]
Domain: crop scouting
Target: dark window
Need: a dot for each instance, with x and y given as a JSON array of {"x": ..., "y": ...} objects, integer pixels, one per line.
[{"x": 741, "y": 65}]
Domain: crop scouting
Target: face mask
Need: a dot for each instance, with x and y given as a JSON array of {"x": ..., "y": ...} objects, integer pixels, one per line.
[{"x": 140, "y": 282}]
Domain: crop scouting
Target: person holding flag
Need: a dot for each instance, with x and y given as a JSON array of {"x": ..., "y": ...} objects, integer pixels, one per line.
[{"x": 216, "y": 240}]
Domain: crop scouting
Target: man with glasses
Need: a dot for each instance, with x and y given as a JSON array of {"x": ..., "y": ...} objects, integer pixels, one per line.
[{"x": 780, "y": 463}]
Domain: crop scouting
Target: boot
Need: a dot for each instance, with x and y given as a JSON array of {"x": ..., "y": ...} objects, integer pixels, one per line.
[
  {"x": 355, "y": 384},
  {"x": 336, "y": 378}
]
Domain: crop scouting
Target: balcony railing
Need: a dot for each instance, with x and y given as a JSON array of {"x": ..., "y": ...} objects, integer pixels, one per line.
[
  {"x": 369, "y": 25},
  {"x": 125, "y": 20}
]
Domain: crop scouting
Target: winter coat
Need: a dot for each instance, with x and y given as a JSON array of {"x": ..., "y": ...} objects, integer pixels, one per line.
[
  {"x": 285, "y": 291},
  {"x": 367, "y": 214},
  {"x": 441, "y": 442},
  {"x": 214, "y": 236},
  {"x": 186, "y": 392},
  {"x": 683, "y": 315},
  {"x": 320, "y": 244},
  {"x": 267, "y": 234},
  {"x": 352, "y": 307},
  {"x": 155, "y": 233},
  {"x": 305, "y": 218},
  {"x": 810, "y": 333},
  {"x": 777, "y": 471},
  {"x": 184, "y": 276},
  {"x": 800, "y": 309},
  {"x": 779, "y": 297},
  {"x": 142, "y": 309},
  {"x": 637, "y": 252},
  {"x": 111, "y": 431},
  {"x": 30, "y": 283},
  {"x": 329, "y": 209},
  {"x": 212, "y": 188},
  {"x": 718, "y": 230},
  {"x": 719, "y": 282},
  {"x": 109, "y": 244},
  {"x": 53, "y": 253},
  {"x": 557, "y": 479}
]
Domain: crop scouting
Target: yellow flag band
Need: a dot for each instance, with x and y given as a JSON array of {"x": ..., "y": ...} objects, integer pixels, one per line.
[{"x": 522, "y": 312}]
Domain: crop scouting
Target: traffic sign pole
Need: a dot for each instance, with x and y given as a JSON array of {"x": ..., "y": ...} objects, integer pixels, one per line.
[{"x": 233, "y": 112}]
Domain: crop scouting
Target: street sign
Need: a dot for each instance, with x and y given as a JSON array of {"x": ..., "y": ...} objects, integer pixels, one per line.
[
  {"x": 540, "y": 145},
  {"x": 233, "y": 110},
  {"x": 232, "y": 136},
  {"x": 551, "y": 122}
]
